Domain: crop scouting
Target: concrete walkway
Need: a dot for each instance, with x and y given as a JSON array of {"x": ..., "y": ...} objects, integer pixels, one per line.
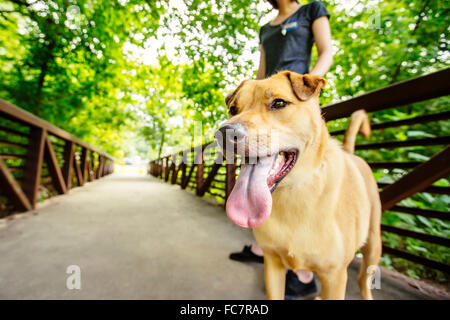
[{"x": 134, "y": 237}]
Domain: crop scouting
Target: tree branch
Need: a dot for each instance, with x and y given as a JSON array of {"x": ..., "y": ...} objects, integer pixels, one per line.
[
  {"x": 4, "y": 17},
  {"x": 10, "y": 11},
  {"x": 419, "y": 20}
]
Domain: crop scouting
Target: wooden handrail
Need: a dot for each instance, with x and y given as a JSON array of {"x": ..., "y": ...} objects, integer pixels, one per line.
[
  {"x": 8, "y": 110},
  {"x": 442, "y": 116},
  {"x": 430, "y": 86}
]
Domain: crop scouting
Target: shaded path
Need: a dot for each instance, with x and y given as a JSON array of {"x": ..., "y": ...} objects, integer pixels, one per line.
[{"x": 134, "y": 237}]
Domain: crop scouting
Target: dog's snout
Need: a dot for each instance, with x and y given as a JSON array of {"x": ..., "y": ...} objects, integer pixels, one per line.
[{"x": 232, "y": 133}]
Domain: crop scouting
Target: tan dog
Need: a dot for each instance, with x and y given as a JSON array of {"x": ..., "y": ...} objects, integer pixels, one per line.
[{"x": 311, "y": 203}]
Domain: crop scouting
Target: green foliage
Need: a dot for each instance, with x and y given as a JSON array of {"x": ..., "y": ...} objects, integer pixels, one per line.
[
  {"x": 63, "y": 61},
  {"x": 134, "y": 77}
]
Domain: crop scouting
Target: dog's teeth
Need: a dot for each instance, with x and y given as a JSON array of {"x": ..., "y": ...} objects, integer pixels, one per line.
[{"x": 279, "y": 160}]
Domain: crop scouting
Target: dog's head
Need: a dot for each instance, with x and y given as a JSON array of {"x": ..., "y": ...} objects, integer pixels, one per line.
[{"x": 271, "y": 123}]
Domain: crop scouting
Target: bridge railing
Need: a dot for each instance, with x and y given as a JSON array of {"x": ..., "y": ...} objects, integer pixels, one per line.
[
  {"x": 39, "y": 159},
  {"x": 399, "y": 181}
]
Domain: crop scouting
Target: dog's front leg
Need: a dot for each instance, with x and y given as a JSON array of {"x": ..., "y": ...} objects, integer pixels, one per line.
[
  {"x": 274, "y": 277},
  {"x": 333, "y": 284}
]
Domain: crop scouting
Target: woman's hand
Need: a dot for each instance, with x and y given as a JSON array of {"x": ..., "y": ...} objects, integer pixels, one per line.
[{"x": 322, "y": 37}]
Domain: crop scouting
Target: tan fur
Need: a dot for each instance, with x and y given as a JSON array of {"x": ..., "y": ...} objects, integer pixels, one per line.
[
  {"x": 328, "y": 206},
  {"x": 359, "y": 122}
]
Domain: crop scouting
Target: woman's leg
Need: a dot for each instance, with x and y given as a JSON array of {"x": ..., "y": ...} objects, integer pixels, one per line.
[
  {"x": 256, "y": 249},
  {"x": 303, "y": 276}
]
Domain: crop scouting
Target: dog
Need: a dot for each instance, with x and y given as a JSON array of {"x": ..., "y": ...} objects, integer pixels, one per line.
[{"x": 310, "y": 202}]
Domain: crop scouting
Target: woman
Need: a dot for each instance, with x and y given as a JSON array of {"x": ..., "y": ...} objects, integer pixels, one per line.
[{"x": 285, "y": 44}]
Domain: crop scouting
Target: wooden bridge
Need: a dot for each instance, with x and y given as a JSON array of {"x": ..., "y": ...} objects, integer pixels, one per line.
[{"x": 138, "y": 237}]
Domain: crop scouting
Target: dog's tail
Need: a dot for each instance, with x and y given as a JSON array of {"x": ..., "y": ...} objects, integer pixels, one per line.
[{"x": 359, "y": 122}]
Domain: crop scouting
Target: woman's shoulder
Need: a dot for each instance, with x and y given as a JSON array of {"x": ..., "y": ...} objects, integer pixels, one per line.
[
  {"x": 314, "y": 5},
  {"x": 264, "y": 27},
  {"x": 315, "y": 9}
]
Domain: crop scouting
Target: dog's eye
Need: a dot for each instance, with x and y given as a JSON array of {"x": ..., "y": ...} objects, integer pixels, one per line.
[
  {"x": 233, "y": 110},
  {"x": 278, "y": 104}
]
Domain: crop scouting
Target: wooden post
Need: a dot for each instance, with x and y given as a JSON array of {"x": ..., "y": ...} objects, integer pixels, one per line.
[
  {"x": 188, "y": 178},
  {"x": 209, "y": 179},
  {"x": 109, "y": 167},
  {"x": 84, "y": 163},
  {"x": 166, "y": 169},
  {"x": 78, "y": 173},
  {"x": 97, "y": 169},
  {"x": 53, "y": 168},
  {"x": 105, "y": 167},
  {"x": 417, "y": 180},
  {"x": 200, "y": 170},
  {"x": 12, "y": 189},
  {"x": 102, "y": 168},
  {"x": 174, "y": 170},
  {"x": 90, "y": 171},
  {"x": 68, "y": 163},
  {"x": 93, "y": 168},
  {"x": 183, "y": 174},
  {"x": 152, "y": 168},
  {"x": 33, "y": 164},
  {"x": 158, "y": 169},
  {"x": 182, "y": 167},
  {"x": 101, "y": 164}
]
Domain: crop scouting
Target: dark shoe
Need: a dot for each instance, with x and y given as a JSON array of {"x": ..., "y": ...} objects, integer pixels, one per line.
[
  {"x": 246, "y": 255},
  {"x": 295, "y": 289}
]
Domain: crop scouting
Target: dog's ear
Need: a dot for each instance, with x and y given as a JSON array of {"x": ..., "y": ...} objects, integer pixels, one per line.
[
  {"x": 306, "y": 86},
  {"x": 230, "y": 97}
]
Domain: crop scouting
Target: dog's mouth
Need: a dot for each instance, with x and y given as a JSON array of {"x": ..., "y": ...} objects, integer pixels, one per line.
[
  {"x": 282, "y": 165},
  {"x": 250, "y": 202}
]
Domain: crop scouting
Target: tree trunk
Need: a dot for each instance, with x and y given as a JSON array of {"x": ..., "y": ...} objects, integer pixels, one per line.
[
  {"x": 48, "y": 57},
  {"x": 40, "y": 87}
]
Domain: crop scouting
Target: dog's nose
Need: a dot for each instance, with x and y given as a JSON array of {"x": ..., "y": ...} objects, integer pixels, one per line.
[{"x": 232, "y": 134}]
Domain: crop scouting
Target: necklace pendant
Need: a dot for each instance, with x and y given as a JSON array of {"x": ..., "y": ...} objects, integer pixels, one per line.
[{"x": 283, "y": 32}]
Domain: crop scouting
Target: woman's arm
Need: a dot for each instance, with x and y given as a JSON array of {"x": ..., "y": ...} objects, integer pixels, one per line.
[
  {"x": 262, "y": 64},
  {"x": 322, "y": 37}
]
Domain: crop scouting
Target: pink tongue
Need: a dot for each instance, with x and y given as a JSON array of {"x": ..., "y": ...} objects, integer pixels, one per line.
[{"x": 250, "y": 202}]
